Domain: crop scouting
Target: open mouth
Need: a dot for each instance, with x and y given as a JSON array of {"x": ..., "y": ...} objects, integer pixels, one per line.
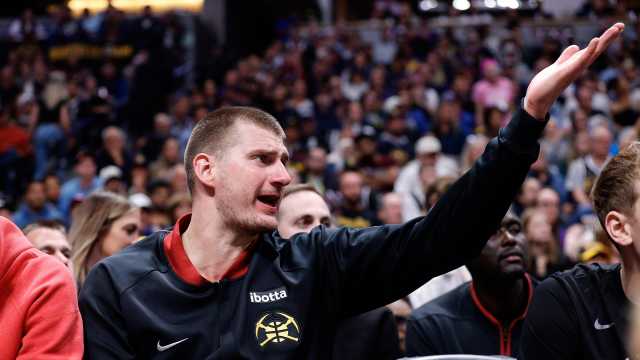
[{"x": 269, "y": 200}]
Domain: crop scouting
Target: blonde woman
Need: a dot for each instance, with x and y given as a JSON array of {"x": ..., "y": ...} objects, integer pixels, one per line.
[
  {"x": 545, "y": 256},
  {"x": 103, "y": 224}
]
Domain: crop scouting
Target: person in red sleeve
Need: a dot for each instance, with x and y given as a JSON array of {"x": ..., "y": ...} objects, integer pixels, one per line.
[{"x": 39, "y": 316}]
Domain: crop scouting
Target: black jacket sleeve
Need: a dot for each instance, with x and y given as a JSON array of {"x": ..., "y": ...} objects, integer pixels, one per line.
[
  {"x": 105, "y": 335},
  {"x": 550, "y": 331},
  {"x": 366, "y": 268}
]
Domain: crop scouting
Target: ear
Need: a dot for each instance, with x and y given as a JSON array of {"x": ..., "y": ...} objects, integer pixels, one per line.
[
  {"x": 203, "y": 168},
  {"x": 618, "y": 227}
]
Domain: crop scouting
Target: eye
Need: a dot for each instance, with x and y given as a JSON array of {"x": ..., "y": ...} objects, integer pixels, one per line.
[
  {"x": 304, "y": 221},
  {"x": 48, "y": 250},
  {"x": 264, "y": 159},
  {"x": 130, "y": 229},
  {"x": 513, "y": 229}
]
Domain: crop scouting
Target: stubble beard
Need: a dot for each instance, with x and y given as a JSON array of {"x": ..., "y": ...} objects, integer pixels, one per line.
[{"x": 241, "y": 221}]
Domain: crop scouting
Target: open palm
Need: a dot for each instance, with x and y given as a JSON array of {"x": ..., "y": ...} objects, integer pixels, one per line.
[{"x": 549, "y": 83}]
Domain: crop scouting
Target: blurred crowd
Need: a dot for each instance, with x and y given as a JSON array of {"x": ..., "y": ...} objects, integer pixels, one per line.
[{"x": 380, "y": 122}]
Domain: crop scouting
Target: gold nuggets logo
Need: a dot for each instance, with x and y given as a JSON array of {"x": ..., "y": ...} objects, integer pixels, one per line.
[{"x": 277, "y": 328}]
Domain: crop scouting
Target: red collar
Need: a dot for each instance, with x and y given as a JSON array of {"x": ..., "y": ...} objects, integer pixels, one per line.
[
  {"x": 183, "y": 267},
  {"x": 505, "y": 347}
]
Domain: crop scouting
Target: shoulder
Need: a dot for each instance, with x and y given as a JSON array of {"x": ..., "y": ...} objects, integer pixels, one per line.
[
  {"x": 445, "y": 305},
  {"x": 589, "y": 272},
  {"x": 130, "y": 265},
  {"x": 577, "y": 164},
  {"x": 579, "y": 279},
  {"x": 46, "y": 284}
]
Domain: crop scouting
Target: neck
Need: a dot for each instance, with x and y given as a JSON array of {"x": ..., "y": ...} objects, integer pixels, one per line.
[
  {"x": 630, "y": 277},
  {"x": 599, "y": 159},
  {"x": 505, "y": 299},
  {"x": 85, "y": 181},
  {"x": 212, "y": 246}
]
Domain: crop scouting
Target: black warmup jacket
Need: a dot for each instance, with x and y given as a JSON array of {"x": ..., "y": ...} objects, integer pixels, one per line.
[
  {"x": 458, "y": 323},
  {"x": 286, "y": 306},
  {"x": 578, "y": 314}
]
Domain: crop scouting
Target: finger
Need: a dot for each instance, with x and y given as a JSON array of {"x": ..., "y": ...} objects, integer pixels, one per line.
[
  {"x": 580, "y": 60},
  {"x": 609, "y": 36},
  {"x": 567, "y": 53}
]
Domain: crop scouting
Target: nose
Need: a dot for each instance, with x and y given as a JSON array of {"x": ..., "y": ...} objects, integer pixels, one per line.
[
  {"x": 281, "y": 177},
  {"x": 60, "y": 256},
  {"x": 510, "y": 239}
]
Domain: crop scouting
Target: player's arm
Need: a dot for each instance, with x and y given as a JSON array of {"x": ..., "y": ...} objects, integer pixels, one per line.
[{"x": 367, "y": 268}]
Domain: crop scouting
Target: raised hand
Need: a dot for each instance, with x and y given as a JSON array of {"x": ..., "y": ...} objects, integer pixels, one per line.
[{"x": 549, "y": 83}]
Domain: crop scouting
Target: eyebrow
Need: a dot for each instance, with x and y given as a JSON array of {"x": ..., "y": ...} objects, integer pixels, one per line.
[
  {"x": 270, "y": 152},
  {"x": 511, "y": 221}
]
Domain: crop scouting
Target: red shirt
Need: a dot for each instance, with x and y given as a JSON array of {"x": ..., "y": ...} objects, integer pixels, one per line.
[
  {"x": 39, "y": 317},
  {"x": 183, "y": 267}
]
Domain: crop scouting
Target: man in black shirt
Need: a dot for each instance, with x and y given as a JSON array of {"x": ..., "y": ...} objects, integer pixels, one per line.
[
  {"x": 582, "y": 313},
  {"x": 223, "y": 285},
  {"x": 482, "y": 317}
]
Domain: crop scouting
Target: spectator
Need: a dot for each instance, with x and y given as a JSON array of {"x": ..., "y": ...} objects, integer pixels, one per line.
[
  {"x": 318, "y": 172},
  {"x": 548, "y": 175},
  {"x": 102, "y": 225},
  {"x": 159, "y": 192},
  {"x": 169, "y": 156},
  {"x": 112, "y": 180},
  {"x": 15, "y": 150},
  {"x": 390, "y": 211},
  {"x": 51, "y": 125},
  {"x": 545, "y": 255},
  {"x": 447, "y": 127},
  {"x": 83, "y": 184},
  {"x": 409, "y": 184},
  {"x": 294, "y": 218},
  {"x": 35, "y": 207},
  {"x": 155, "y": 141},
  {"x": 548, "y": 201},
  {"x": 527, "y": 195},
  {"x": 493, "y": 90},
  {"x": 139, "y": 179},
  {"x": 394, "y": 141},
  {"x": 50, "y": 237},
  {"x": 52, "y": 188},
  {"x": 354, "y": 204},
  {"x": 485, "y": 316},
  {"x": 113, "y": 151},
  {"x": 178, "y": 179},
  {"x": 39, "y": 316},
  {"x": 583, "y": 171}
]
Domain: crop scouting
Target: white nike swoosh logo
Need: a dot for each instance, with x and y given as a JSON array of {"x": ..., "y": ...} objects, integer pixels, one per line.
[
  {"x": 169, "y": 346},
  {"x": 599, "y": 326}
]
